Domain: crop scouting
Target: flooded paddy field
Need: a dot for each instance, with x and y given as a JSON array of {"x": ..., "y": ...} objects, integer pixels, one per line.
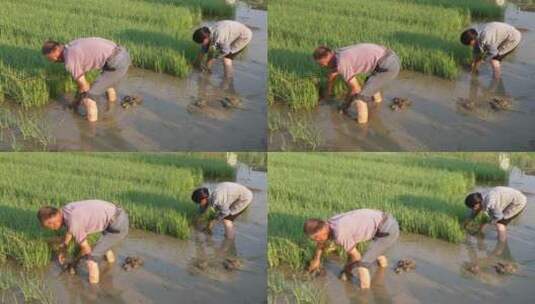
[
  {"x": 186, "y": 264},
  {"x": 444, "y": 115},
  {"x": 465, "y": 271},
  {"x": 168, "y": 118}
]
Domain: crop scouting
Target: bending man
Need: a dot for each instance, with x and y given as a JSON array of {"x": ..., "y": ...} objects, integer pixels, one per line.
[
  {"x": 83, "y": 218},
  {"x": 229, "y": 38},
  {"x": 347, "y": 230},
  {"x": 229, "y": 200},
  {"x": 502, "y": 204},
  {"x": 381, "y": 63},
  {"x": 495, "y": 40},
  {"x": 86, "y": 54}
]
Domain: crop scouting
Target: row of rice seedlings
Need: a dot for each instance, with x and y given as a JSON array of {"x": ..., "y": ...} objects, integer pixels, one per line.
[
  {"x": 423, "y": 33},
  {"x": 20, "y": 287},
  {"x": 424, "y": 197},
  {"x": 155, "y": 194},
  {"x": 156, "y": 33}
]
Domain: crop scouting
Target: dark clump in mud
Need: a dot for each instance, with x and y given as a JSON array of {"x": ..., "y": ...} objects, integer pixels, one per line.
[
  {"x": 70, "y": 268},
  {"x": 466, "y": 103},
  {"x": 320, "y": 272},
  {"x": 346, "y": 276},
  {"x": 230, "y": 102},
  {"x": 472, "y": 268},
  {"x": 506, "y": 268},
  {"x": 500, "y": 103},
  {"x": 131, "y": 263},
  {"x": 129, "y": 101},
  {"x": 232, "y": 264},
  {"x": 399, "y": 104},
  {"x": 405, "y": 265}
]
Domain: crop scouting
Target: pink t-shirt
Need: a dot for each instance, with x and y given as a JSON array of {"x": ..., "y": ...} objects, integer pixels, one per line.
[
  {"x": 355, "y": 226},
  {"x": 86, "y": 217},
  {"x": 358, "y": 59},
  {"x": 86, "y": 54}
]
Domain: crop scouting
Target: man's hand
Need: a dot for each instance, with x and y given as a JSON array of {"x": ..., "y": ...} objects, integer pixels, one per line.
[
  {"x": 61, "y": 258},
  {"x": 314, "y": 265},
  {"x": 475, "y": 66},
  {"x": 209, "y": 227}
]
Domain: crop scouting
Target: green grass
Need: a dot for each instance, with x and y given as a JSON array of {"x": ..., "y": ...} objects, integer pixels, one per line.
[
  {"x": 425, "y": 192},
  {"x": 23, "y": 288},
  {"x": 424, "y": 33},
  {"x": 157, "y": 34},
  {"x": 154, "y": 189},
  {"x": 293, "y": 290},
  {"x": 20, "y": 129}
]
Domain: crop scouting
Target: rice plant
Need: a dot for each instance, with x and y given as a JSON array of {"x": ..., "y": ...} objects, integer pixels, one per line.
[
  {"x": 154, "y": 189},
  {"x": 157, "y": 34},
  {"x": 424, "y": 33},
  {"x": 424, "y": 191}
]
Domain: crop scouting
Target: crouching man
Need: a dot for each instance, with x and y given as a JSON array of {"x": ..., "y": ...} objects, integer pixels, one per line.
[
  {"x": 229, "y": 200},
  {"x": 347, "y": 230},
  {"x": 83, "y": 218},
  {"x": 502, "y": 204},
  {"x": 86, "y": 54}
]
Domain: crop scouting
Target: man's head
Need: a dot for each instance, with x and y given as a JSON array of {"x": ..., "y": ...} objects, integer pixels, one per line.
[
  {"x": 50, "y": 217},
  {"x": 317, "y": 230},
  {"x": 53, "y": 51},
  {"x": 323, "y": 56},
  {"x": 202, "y": 36},
  {"x": 469, "y": 37},
  {"x": 200, "y": 196},
  {"x": 474, "y": 201}
]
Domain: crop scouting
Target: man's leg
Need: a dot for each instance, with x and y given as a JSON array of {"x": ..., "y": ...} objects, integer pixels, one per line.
[
  {"x": 110, "y": 256},
  {"x": 227, "y": 64},
  {"x": 91, "y": 109},
  {"x": 378, "y": 97},
  {"x": 94, "y": 272},
  {"x": 496, "y": 68},
  {"x": 502, "y": 232},
  {"x": 362, "y": 111},
  {"x": 111, "y": 94},
  {"x": 382, "y": 261},
  {"x": 364, "y": 277},
  {"x": 229, "y": 229}
]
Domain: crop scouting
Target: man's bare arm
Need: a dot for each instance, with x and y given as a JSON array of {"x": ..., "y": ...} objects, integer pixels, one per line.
[
  {"x": 83, "y": 84},
  {"x": 316, "y": 260},
  {"x": 353, "y": 257},
  {"x": 354, "y": 87},
  {"x": 85, "y": 248},
  {"x": 331, "y": 77}
]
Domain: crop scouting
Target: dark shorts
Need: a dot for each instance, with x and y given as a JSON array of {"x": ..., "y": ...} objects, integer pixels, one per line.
[
  {"x": 502, "y": 56},
  {"x": 232, "y": 56},
  {"x": 235, "y": 216},
  {"x": 509, "y": 220}
]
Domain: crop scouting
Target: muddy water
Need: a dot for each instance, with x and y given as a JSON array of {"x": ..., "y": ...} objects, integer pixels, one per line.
[
  {"x": 435, "y": 121},
  {"x": 163, "y": 122},
  {"x": 440, "y": 275},
  {"x": 171, "y": 271}
]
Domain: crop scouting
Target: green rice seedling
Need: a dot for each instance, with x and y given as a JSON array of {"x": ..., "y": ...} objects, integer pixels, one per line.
[
  {"x": 157, "y": 34},
  {"x": 155, "y": 192},
  {"x": 424, "y": 33},
  {"x": 424, "y": 191},
  {"x": 14, "y": 286},
  {"x": 282, "y": 289}
]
